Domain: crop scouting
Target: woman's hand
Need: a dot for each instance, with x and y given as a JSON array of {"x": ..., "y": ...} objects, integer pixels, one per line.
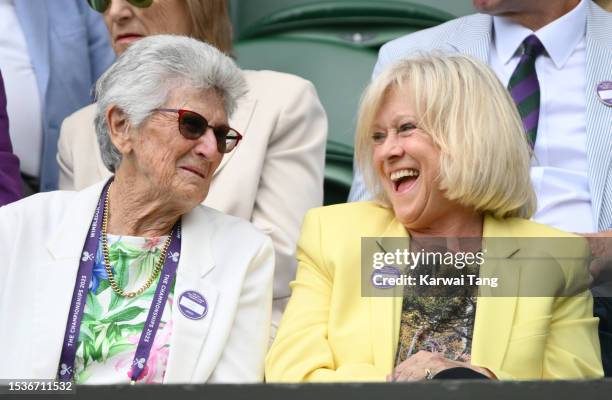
[
  {"x": 425, "y": 364},
  {"x": 601, "y": 251}
]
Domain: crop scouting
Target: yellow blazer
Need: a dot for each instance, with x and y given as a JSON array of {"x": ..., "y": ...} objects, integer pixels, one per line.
[{"x": 330, "y": 332}]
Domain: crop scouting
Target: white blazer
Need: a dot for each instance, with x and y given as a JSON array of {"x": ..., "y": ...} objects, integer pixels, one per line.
[
  {"x": 272, "y": 178},
  {"x": 222, "y": 257}
]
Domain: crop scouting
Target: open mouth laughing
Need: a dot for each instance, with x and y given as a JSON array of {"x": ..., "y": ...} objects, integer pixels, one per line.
[{"x": 404, "y": 179}]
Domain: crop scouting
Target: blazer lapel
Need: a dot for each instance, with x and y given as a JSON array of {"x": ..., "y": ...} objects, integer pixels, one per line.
[
  {"x": 188, "y": 335},
  {"x": 33, "y": 19},
  {"x": 53, "y": 289},
  {"x": 599, "y": 129},
  {"x": 474, "y": 37},
  {"x": 489, "y": 345},
  {"x": 495, "y": 314},
  {"x": 240, "y": 121},
  {"x": 386, "y": 311}
]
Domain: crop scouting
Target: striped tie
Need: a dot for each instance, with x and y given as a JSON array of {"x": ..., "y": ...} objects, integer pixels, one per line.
[{"x": 525, "y": 88}]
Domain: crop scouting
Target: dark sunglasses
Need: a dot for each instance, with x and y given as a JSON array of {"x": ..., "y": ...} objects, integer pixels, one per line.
[
  {"x": 101, "y": 5},
  {"x": 192, "y": 126}
]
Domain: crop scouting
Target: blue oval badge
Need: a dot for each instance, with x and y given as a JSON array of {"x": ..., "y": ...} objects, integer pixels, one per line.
[
  {"x": 604, "y": 92},
  {"x": 193, "y": 305}
]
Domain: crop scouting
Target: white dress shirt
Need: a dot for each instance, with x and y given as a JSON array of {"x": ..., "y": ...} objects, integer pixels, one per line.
[
  {"x": 559, "y": 165},
  {"x": 23, "y": 100}
]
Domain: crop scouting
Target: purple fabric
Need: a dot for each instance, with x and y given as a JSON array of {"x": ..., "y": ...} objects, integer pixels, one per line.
[
  {"x": 10, "y": 180},
  {"x": 532, "y": 49},
  {"x": 79, "y": 296},
  {"x": 534, "y": 45},
  {"x": 531, "y": 121},
  {"x": 66, "y": 370},
  {"x": 157, "y": 305},
  {"x": 524, "y": 83},
  {"x": 525, "y": 89}
]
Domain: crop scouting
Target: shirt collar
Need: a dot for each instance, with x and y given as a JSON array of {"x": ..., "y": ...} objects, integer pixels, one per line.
[{"x": 559, "y": 38}]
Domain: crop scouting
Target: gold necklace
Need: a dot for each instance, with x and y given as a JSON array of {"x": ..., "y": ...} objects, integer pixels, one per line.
[{"x": 107, "y": 266}]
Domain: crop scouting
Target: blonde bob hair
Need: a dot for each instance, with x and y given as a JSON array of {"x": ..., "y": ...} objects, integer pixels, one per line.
[
  {"x": 470, "y": 116},
  {"x": 211, "y": 23}
]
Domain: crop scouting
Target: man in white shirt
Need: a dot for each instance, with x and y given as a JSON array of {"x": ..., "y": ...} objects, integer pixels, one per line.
[{"x": 572, "y": 164}]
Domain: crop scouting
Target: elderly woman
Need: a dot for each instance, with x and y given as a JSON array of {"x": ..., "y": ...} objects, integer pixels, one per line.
[
  {"x": 280, "y": 165},
  {"x": 447, "y": 156},
  {"x": 132, "y": 279}
]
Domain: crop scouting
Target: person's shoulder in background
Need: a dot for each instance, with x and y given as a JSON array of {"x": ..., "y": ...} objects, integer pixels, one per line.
[
  {"x": 288, "y": 96},
  {"x": 262, "y": 83},
  {"x": 78, "y": 154},
  {"x": 435, "y": 38}
]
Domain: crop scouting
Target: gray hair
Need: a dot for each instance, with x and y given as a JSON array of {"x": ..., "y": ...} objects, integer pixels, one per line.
[{"x": 143, "y": 77}]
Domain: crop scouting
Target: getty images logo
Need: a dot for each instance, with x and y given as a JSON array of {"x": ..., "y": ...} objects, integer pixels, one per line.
[{"x": 385, "y": 277}]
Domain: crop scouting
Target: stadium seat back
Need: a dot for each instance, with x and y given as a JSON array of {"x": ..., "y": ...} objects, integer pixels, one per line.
[{"x": 334, "y": 44}]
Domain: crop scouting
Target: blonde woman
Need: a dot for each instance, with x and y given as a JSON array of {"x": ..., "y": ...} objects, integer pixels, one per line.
[{"x": 442, "y": 146}]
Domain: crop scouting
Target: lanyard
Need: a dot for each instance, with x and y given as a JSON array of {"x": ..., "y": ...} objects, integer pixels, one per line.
[{"x": 79, "y": 296}]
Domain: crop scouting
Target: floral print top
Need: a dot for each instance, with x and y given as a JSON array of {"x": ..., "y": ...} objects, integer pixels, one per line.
[
  {"x": 438, "y": 325},
  {"x": 441, "y": 321},
  {"x": 112, "y": 324}
]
